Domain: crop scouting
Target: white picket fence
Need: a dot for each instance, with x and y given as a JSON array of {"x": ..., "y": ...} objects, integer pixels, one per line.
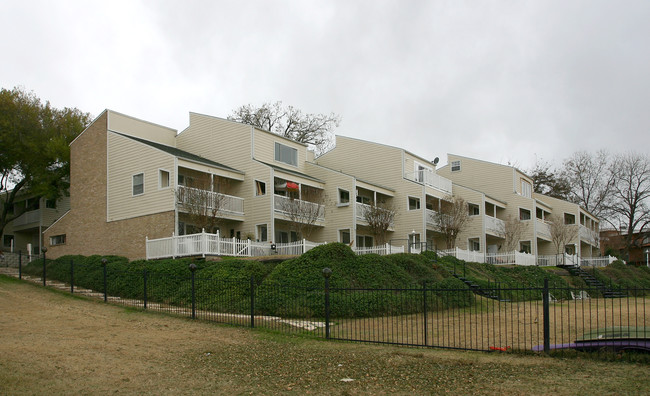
[
  {"x": 205, "y": 244},
  {"x": 514, "y": 257},
  {"x": 380, "y": 249}
]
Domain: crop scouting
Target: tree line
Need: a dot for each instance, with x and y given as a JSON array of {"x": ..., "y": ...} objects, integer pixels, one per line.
[{"x": 613, "y": 187}]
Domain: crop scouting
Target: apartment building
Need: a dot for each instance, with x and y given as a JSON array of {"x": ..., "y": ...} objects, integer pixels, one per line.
[
  {"x": 25, "y": 232},
  {"x": 410, "y": 186},
  {"x": 132, "y": 180},
  {"x": 497, "y": 193}
]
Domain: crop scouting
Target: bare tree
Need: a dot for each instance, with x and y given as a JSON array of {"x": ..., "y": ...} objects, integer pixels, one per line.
[
  {"x": 201, "y": 199},
  {"x": 549, "y": 181},
  {"x": 305, "y": 212},
  {"x": 630, "y": 194},
  {"x": 561, "y": 233},
  {"x": 313, "y": 129},
  {"x": 380, "y": 217},
  {"x": 511, "y": 231},
  {"x": 591, "y": 180},
  {"x": 452, "y": 218}
]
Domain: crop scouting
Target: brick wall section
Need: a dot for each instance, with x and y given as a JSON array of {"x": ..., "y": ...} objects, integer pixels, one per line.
[{"x": 85, "y": 226}]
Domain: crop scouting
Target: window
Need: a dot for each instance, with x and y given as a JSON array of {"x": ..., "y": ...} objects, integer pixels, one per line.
[
  {"x": 262, "y": 235},
  {"x": 569, "y": 218},
  {"x": 474, "y": 209},
  {"x": 260, "y": 188},
  {"x": 524, "y": 214},
  {"x": 33, "y": 203},
  {"x": 421, "y": 172},
  {"x": 455, "y": 166},
  {"x": 138, "y": 184},
  {"x": 362, "y": 199},
  {"x": 57, "y": 240},
  {"x": 163, "y": 179},
  {"x": 344, "y": 236},
  {"x": 8, "y": 241},
  {"x": 364, "y": 241},
  {"x": 344, "y": 197},
  {"x": 50, "y": 203},
  {"x": 525, "y": 247},
  {"x": 526, "y": 189},
  {"x": 414, "y": 203},
  {"x": 286, "y": 154},
  {"x": 474, "y": 244}
]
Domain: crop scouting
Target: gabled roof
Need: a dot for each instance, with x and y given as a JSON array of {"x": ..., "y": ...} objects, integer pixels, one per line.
[{"x": 181, "y": 153}]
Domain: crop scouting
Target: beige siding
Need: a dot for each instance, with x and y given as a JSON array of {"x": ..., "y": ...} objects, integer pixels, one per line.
[
  {"x": 337, "y": 216},
  {"x": 146, "y": 130},
  {"x": 127, "y": 158},
  {"x": 264, "y": 150}
]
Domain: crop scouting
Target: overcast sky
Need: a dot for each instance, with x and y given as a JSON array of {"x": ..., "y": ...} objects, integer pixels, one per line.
[{"x": 503, "y": 81}]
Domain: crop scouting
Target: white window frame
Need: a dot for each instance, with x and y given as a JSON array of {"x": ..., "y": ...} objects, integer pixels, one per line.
[
  {"x": 348, "y": 230},
  {"x": 339, "y": 197},
  {"x": 256, "y": 189},
  {"x": 528, "y": 243},
  {"x": 473, "y": 205},
  {"x": 526, "y": 188},
  {"x": 133, "y": 184},
  {"x": 160, "y": 179},
  {"x": 258, "y": 237},
  {"x": 56, "y": 240},
  {"x": 408, "y": 203},
  {"x": 455, "y": 166},
  {"x": 530, "y": 214},
  {"x": 471, "y": 241},
  {"x": 278, "y": 153},
  {"x": 417, "y": 170}
]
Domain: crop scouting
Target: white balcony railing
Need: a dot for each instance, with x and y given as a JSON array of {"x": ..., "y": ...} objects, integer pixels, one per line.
[
  {"x": 494, "y": 226},
  {"x": 431, "y": 179},
  {"x": 433, "y": 219},
  {"x": 362, "y": 209},
  {"x": 543, "y": 229},
  {"x": 33, "y": 216},
  {"x": 224, "y": 203},
  {"x": 380, "y": 249},
  {"x": 512, "y": 258},
  {"x": 205, "y": 244},
  {"x": 302, "y": 209}
]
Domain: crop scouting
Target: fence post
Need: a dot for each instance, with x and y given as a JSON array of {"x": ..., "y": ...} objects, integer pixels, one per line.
[
  {"x": 20, "y": 264},
  {"x": 192, "y": 269},
  {"x": 44, "y": 250},
  {"x": 105, "y": 288},
  {"x": 146, "y": 247},
  {"x": 326, "y": 274},
  {"x": 71, "y": 276},
  {"x": 173, "y": 246},
  {"x": 547, "y": 325},
  {"x": 144, "y": 279},
  {"x": 252, "y": 300},
  {"x": 424, "y": 309}
]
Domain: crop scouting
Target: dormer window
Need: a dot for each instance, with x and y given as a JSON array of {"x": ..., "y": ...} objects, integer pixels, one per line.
[{"x": 286, "y": 154}]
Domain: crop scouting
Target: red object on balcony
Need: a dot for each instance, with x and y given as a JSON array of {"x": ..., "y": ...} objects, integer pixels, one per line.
[{"x": 292, "y": 186}]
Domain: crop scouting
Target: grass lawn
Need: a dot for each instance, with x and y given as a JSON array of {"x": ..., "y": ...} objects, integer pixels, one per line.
[{"x": 54, "y": 343}]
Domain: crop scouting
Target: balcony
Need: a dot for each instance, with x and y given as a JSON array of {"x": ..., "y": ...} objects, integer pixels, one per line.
[
  {"x": 33, "y": 216},
  {"x": 363, "y": 208},
  {"x": 589, "y": 236},
  {"x": 430, "y": 179},
  {"x": 297, "y": 209},
  {"x": 494, "y": 226},
  {"x": 433, "y": 219},
  {"x": 543, "y": 229},
  {"x": 225, "y": 204}
]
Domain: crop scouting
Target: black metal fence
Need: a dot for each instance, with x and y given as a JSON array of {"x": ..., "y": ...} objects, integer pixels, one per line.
[{"x": 502, "y": 318}]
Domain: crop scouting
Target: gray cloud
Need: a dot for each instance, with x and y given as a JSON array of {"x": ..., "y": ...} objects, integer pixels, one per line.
[{"x": 501, "y": 81}]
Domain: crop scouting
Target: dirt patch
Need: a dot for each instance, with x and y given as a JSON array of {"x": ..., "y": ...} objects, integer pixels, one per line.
[{"x": 51, "y": 342}]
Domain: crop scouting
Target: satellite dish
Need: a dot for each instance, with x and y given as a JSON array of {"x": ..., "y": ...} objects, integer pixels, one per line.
[{"x": 435, "y": 161}]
